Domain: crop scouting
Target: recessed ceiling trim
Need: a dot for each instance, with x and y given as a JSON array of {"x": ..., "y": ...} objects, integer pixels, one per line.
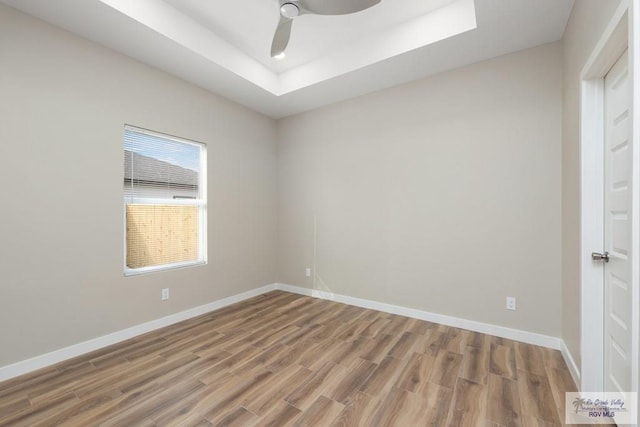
[
  {"x": 174, "y": 25},
  {"x": 447, "y": 21}
]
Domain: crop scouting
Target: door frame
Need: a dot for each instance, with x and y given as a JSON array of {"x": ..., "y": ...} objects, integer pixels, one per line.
[{"x": 621, "y": 33}]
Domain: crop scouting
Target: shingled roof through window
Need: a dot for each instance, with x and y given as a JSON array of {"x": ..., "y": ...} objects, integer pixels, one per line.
[{"x": 156, "y": 172}]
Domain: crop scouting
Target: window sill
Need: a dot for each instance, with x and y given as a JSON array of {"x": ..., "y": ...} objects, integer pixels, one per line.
[{"x": 152, "y": 269}]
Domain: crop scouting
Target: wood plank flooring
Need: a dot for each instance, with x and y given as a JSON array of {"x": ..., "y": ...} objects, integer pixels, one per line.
[{"x": 282, "y": 359}]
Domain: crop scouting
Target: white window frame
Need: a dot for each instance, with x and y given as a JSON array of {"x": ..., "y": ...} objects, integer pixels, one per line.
[{"x": 200, "y": 203}]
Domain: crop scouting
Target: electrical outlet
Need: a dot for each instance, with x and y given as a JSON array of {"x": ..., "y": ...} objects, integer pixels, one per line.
[
  {"x": 511, "y": 303},
  {"x": 307, "y": 272},
  {"x": 165, "y": 294}
]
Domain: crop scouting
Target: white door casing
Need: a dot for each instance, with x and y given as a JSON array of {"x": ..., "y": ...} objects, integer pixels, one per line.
[
  {"x": 621, "y": 35},
  {"x": 618, "y": 165}
]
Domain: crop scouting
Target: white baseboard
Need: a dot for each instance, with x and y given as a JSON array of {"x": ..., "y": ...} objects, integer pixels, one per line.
[
  {"x": 485, "y": 328},
  {"x": 571, "y": 364},
  {"x": 48, "y": 359}
]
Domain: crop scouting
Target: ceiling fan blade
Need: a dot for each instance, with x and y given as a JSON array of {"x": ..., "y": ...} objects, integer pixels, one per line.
[
  {"x": 281, "y": 37},
  {"x": 335, "y": 7}
]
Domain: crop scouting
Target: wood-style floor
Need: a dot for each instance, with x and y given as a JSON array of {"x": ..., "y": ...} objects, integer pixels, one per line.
[{"x": 283, "y": 359}]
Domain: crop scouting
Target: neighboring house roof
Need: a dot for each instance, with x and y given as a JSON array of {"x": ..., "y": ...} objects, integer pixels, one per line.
[{"x": 153, "y": 171}]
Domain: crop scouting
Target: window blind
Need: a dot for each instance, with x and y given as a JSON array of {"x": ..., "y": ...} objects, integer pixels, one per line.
[{"x": 165, "y": 201}]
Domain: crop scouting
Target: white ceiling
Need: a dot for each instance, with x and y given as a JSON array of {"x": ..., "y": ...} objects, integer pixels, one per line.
[
  {"x": 249, "y": 25},
  {"x": 224, "y": 46}
]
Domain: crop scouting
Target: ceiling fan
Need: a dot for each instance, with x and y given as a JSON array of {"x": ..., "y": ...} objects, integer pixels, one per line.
[{"x": 291, "y": 9}]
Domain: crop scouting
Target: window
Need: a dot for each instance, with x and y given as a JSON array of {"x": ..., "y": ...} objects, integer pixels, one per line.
[{"x": 165, "y": 201}]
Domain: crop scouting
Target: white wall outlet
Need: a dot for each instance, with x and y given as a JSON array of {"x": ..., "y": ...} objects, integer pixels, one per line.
[
  {"x": 307, "y": 272},
  {"x": 165, "y": 294},
  {"x": 511, "y": 303}
]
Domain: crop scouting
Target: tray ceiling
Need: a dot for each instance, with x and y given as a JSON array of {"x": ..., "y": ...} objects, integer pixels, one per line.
[{"x": 224, "y": 46}]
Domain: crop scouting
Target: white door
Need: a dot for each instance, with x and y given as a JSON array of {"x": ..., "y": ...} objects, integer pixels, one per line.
[{"x": 617, "y": 227}]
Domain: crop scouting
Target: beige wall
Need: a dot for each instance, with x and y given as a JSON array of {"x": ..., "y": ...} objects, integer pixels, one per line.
[
  {"x": 441, "y": 195},
  {"x": 588, "y": 20},
  {"x": 63, "y": 104}
]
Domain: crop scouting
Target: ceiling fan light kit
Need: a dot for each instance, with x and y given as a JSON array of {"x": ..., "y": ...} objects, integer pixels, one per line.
[{"x": 291, "y": 9}]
